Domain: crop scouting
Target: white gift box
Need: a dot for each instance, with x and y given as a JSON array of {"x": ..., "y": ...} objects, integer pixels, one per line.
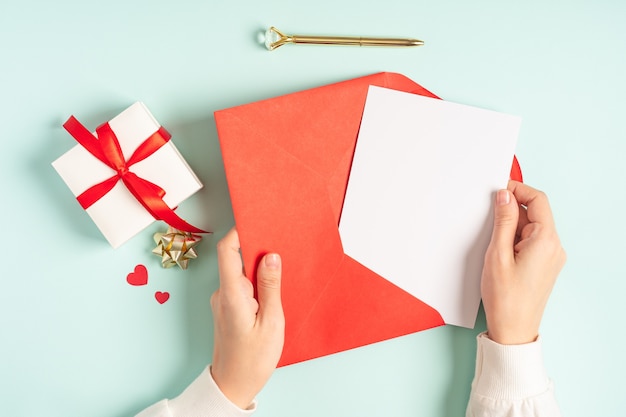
[{"x": 118, "y": 214}]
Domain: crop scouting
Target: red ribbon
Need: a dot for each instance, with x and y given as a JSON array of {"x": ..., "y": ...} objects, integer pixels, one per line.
[{"x": 106, "y": 148}]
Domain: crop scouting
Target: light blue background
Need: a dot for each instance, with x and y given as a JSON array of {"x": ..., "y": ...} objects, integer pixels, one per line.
[{"x": 77, "y": 340}]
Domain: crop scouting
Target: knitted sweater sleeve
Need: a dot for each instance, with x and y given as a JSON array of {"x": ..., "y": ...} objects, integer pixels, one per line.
[
  {"x": 511, "y": 381},
  {"x": 202, "y": 398}
]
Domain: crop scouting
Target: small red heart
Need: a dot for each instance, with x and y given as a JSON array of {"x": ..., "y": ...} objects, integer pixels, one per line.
[
  {"x": 139, "y": 277},
  {"x": 162, "y": 297}
]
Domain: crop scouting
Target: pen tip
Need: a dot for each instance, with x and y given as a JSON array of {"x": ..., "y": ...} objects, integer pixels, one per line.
[{"x": 416, "y": 42}]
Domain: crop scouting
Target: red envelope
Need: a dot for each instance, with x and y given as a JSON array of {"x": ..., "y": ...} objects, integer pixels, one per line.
[{"x": 287, "y": 162}]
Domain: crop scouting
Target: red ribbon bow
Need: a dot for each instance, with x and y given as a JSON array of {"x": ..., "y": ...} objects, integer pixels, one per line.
[{"x": 106, "y": 148}]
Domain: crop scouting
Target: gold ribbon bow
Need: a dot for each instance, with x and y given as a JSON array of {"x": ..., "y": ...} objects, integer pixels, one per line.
[{"x": 176, "y": 247}]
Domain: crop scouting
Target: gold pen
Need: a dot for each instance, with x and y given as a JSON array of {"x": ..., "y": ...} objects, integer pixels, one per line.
[{"x": 274, "y": 38}]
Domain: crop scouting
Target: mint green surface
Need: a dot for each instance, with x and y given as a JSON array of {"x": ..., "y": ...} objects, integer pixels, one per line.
[{"x": 77, "y": 340}]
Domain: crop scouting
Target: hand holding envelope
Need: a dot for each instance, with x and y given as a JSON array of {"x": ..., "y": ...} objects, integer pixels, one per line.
[{"x": 287, "y": 162}]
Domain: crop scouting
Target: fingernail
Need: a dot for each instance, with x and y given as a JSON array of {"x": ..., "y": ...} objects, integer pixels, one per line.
[
  {"x": 503, "y": 197},
  {"x": 272, "y": 260}
]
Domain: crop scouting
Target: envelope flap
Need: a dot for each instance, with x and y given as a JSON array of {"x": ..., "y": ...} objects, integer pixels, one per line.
[
  {"x": 280, "y": 205},
  {"x": 363, "y": 309}
]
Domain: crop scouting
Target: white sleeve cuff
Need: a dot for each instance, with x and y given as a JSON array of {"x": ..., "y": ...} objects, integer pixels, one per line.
[
  {"x": 511, "y": 381},
  {"x": 201, "y": 398},
  {"x": 512, "y": 372}
]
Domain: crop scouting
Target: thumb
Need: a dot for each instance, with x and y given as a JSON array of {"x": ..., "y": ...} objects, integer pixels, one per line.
[
  {"x": 506, "y": 216},
  {"x": 268, "y": 284}
]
